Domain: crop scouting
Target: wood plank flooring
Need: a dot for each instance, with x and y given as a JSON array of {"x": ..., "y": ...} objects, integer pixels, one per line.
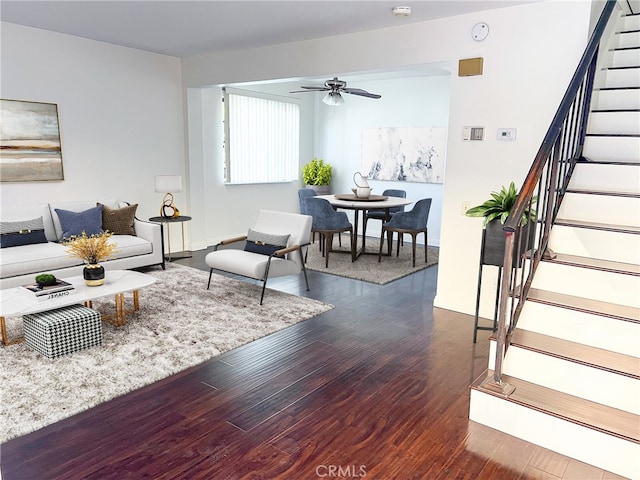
[{"x": 376, "y": 388}]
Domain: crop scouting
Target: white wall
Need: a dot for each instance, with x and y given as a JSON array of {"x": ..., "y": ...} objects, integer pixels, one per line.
[
  {"x": 405, "y": 102},
  {"x": 222, "y": 211},
  {"x": 120, "y": 114},
  {"x": 529, "y": 57}
]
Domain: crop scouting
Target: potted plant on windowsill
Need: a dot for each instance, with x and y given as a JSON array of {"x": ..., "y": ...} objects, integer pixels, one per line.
[
  {"x": 495, "y": 211},
  {"x": 317, "y": 175}
]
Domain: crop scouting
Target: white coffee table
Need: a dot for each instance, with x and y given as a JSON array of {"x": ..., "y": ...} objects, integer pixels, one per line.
[{"x": 14, "y": 302}]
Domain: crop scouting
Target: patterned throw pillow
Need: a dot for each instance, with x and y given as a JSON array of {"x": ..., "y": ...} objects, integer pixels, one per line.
[
  {"x": 26, "y": 232},
  {"x": 74, "y": 223},
  {"x": 265, "y": 243},
  {"x": 119, "y": 221}
]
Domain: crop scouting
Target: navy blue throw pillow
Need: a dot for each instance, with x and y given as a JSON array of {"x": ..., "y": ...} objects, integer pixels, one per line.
[
  {"x": 26, "y": 232},
  {"x": 265, "y": 243},
  {"x": 74, "y": 223}
]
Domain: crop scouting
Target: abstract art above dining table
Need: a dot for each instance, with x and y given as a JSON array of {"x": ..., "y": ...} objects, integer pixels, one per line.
[{"x": 404, "y": 154}]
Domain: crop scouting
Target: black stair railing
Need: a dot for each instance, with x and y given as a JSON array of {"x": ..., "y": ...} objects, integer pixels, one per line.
[{"x": 546, "y": 181}]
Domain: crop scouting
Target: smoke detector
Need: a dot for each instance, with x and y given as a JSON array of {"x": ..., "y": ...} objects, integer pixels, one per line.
[{"x": 401, "y": 11}]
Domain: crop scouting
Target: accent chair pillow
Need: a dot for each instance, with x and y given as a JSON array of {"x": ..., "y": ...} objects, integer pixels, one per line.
[
  {"x": 74, "y": 223},
  {"x": 119, "y": 221},
  {"x": 265, "y": 243},
  {"x": 26, "y": 232}
]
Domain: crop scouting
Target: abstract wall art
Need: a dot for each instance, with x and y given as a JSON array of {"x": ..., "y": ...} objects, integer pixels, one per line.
[
  {"x": 404, "y": 154},
  {"x": 30, "y": 149}
]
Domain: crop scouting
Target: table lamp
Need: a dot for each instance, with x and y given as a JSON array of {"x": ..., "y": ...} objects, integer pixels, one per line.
[{"x": 168, "y": 183}]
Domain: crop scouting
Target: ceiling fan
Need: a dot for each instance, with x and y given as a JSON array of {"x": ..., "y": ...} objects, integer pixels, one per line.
[{"x": 335, "y": 87}]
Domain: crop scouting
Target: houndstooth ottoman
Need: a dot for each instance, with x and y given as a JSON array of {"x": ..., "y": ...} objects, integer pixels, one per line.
[{"x": 64, "y": 330}]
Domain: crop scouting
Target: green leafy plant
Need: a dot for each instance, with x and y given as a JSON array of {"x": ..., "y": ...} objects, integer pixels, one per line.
[
  {"x": 316, "y": 172},
  {"x": 500, "y": 205}
]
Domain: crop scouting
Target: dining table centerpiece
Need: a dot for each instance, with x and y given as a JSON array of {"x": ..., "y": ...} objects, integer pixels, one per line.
[{"x": 92, "y": 249}]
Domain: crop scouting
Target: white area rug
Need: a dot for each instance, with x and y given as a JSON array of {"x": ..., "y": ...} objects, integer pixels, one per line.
[
  {"x": 366, "y": 267},
  {"x": 180, "y": 324}
]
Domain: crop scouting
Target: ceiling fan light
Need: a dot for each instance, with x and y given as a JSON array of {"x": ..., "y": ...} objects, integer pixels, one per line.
[{"x": 333, "y": 98}]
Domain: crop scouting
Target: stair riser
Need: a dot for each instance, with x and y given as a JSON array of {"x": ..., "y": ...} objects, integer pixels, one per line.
[
  {"x": 609, "y": 178},
  {"x": 612, "y": 149},
  {"x": 572, "y": 378},
  {"x": 630, "y": 22},
  {"x": 626, "y": 77},
  {"x": 614, "y": 122},
  {"x": 601, "y": 209},
  {"x": 588, "y": 283},
  {"x": 615, "y": 99},
  {"x": 588, "y": 329},
  {"x": 628, "y": 39},
  {"x": 626, "y": 58},
  {"x": 584, "y": 242},
  {"x": 584, "y": 444}
]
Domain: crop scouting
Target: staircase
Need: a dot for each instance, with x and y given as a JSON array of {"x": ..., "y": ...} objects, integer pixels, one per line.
[{"x": 574, "y": 357}]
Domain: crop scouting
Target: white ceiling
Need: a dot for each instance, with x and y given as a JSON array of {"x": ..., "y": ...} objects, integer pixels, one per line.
[{"x": 183, "y": 28}]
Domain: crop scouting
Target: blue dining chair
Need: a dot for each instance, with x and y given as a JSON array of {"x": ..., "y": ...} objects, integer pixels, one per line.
[
  {"x": 327, "y": 222},
  {"x": 413, "y": 223},
  {"x": 303, "y": 194},
  {"x": 379, "y": 214}
]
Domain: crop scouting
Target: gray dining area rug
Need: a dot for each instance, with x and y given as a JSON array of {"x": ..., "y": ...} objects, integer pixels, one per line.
[{"x": 366, "y": 267}]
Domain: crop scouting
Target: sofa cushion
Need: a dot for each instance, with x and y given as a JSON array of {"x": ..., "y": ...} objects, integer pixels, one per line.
[
  {"x": 130, "y": 246},
  {"x": 26, "y": 232},
  {"x": 119, "y": 221},
  {"x": 74, "y": 223},
  {"x": 249, "y": 264},
  {"x": 37, "y": 258}
]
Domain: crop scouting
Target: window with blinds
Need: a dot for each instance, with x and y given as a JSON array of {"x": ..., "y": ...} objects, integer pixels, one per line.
[{"x": 262, "y": 137}]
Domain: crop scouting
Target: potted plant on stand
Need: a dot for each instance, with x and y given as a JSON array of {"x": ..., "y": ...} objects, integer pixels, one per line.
[
  {"x": 495, "y": 212},
  {"x": 317, "y": 175}
]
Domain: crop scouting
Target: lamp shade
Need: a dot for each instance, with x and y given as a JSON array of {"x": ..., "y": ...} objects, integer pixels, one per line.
[
  {"x": 168, "y": 183},
  {"x": 333, "y": 99}
]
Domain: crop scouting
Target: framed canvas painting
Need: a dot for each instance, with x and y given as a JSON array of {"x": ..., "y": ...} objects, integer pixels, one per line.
[
  {"x": 30, "y": 149},
  {"x": 404, "y": 154}
]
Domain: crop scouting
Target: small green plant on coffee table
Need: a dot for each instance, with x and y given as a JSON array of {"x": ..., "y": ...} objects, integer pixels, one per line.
[{"x": 46, "y": 279}]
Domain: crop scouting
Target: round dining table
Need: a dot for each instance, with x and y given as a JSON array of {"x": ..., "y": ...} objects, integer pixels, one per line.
[{"x": 374, "y": 202}]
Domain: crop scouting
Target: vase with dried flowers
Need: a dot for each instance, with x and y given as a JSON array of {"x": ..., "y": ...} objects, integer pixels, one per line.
[{"x": 92, "y": 249}]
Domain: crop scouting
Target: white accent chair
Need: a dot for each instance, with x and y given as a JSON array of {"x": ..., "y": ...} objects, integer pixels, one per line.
[{"x": 285, "y": 261}]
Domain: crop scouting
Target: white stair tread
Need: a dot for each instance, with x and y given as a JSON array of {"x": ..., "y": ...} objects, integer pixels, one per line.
[
  {"x": 582, "y": 327},
  {"x": 584, "y": 354},
  {"x": 621, "y": 312},
  {"x": 597, "y": 225},
  {"x": 584, "y": 412},
  {"x": 596, "y": 263}
]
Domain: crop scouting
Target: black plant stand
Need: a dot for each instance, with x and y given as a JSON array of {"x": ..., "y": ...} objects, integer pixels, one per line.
[{"x": 488, "y": 256}]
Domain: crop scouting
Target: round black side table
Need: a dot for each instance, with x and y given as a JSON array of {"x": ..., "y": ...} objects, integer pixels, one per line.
[{"x": 168, "y": 221}]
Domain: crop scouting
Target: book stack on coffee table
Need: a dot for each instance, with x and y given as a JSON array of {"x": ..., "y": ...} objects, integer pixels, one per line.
[{"x": 47, "y": 292}]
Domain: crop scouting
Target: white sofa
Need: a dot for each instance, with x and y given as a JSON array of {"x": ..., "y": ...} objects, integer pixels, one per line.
[{"x": 20, "y": 264}]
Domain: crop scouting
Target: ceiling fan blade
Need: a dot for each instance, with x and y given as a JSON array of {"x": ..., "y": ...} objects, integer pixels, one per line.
[
  {"x": 362, "y": 93},
  {"x": 311, "y": 89}
]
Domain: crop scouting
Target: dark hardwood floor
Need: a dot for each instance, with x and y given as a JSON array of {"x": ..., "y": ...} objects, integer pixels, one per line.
[{"x": 375, "y": 388}]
